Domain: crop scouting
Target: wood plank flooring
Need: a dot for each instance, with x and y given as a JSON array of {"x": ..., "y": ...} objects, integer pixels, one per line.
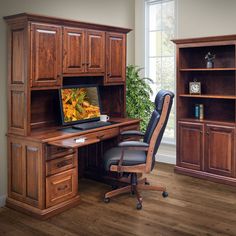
[{"x": 194, "y": 207}]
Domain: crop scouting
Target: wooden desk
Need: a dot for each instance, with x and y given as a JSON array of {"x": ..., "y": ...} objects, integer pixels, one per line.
[
  {"x": 43, "y": 178},
  {"x": 44, "y": 55}
]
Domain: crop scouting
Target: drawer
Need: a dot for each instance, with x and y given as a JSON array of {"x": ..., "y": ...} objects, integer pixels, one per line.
[
  {"x": 53, "y": 152},
  {"x": 61, "y": 187},
  {"x": 104, "y": 134},
  {"x": 129, "y": 127},
  {"x": 61, "y": 164}
]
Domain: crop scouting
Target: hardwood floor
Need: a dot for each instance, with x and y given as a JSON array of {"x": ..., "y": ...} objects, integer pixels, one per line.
[{"x": 194, "y": 207}]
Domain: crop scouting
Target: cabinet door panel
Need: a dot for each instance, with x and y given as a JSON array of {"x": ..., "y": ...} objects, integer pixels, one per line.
[
  {"x": 32, "y": 176},
  {"x": 46, "y": 55},
  {"x": 17, "y": 170},
  {"x": 220, "y": 150},
  {"x": 74, "y": 51},
  {"x": 95, "y": 51},
  {"x": 116, "y": 60},
  {"x": 190, "y": 146}
]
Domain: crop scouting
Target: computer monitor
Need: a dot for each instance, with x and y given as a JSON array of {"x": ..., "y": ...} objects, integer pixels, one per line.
[{"x": 79, "y": 104}]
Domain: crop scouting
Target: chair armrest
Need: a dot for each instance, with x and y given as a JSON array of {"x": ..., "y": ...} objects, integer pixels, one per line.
[
  {"x": 130, "y": 145},
  {"x": 134, "y": 145},
  {"x": 132, "y": 132}
]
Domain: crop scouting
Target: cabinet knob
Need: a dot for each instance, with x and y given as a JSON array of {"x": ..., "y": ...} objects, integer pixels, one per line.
[
  {"x": 108, "y": 74},
  {"x": 207, "y": 133}
]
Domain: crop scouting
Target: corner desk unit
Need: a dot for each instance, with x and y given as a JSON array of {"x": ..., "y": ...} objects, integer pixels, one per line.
[{"x": 45, "y": 54}]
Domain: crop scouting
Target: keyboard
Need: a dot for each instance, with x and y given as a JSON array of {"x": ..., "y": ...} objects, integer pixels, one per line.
[{"x": 91, "y": 125}]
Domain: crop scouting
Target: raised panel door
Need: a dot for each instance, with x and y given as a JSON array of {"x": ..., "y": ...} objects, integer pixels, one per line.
[
  {"x": 115, "y": 58},
  {"x": 95, "y": 62},
  {"x": 16, "y": 170},
  {"x": 220, "y": 150},
  {"x": 46, "y": 55},
  {"x": 190, "y": 145},
  {"x": 74, "y": 51},
  {"x": 32, "y": 155}
]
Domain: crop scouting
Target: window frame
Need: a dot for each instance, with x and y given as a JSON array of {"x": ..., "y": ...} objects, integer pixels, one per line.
[{"x": 165, "y": 140}]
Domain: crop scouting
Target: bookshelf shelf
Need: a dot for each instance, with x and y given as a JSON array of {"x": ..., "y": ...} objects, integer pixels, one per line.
[
  {"x": 208, "y": 96},
  {"x": 207, "y": 69}
]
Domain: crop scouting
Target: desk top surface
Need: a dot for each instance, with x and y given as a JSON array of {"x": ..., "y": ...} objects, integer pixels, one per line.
[{"x": 55, "y": 133}]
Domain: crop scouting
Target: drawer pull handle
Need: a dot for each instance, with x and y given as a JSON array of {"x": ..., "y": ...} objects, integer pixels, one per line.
[
  {"x": 101, "y": 136},
  {"x": 62, "y": 163},
  {"x": 62, "y": 188}
]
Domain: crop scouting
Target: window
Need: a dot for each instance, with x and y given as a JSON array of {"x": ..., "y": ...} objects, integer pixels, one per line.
[{"x": 160, "y": 52}]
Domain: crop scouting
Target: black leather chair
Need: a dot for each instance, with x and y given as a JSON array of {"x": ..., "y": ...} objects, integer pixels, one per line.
[{"x": 133, "y": 158}]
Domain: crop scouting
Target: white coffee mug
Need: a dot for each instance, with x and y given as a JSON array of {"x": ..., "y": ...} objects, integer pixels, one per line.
[{"x": 104, "y": 118}]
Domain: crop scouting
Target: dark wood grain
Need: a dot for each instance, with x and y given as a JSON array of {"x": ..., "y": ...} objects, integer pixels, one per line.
[
  {"x": 205, "y": 209},
  {"x": 46, "y": 55},
  {"x": 213, "y": 155},
  {"x": 190, "y": 149},
  {"x": 115, "y": 56}
]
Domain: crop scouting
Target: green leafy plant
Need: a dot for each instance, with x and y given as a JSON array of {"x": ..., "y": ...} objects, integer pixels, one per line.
[{"x": 138, "y": 92}]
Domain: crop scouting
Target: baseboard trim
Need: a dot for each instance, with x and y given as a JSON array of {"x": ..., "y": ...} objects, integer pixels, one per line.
[
  {"x": 166, "y": 159},
  {"x": 3, "y": 200}
]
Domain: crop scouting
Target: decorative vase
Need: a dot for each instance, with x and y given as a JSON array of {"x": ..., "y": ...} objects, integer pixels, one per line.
[{"x": 210, "y": 64}]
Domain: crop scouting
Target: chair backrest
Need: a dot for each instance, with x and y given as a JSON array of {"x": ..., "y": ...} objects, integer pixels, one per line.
[{"x": 157, "y": 125}]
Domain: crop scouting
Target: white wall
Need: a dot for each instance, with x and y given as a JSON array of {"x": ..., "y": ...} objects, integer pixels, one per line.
[
  {"x": 109, "y": 12},
  {"x": 198, "y": 18}
]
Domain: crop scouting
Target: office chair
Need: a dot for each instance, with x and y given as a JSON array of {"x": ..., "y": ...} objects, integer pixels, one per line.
[{"x": 134, "y": 158}]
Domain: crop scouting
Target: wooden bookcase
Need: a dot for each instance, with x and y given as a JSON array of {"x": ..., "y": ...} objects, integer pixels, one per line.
[{"x": 206, "y": 147}]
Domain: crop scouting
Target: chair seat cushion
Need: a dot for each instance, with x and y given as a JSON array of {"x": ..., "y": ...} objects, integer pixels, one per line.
[{"x": 131, "y": 157}]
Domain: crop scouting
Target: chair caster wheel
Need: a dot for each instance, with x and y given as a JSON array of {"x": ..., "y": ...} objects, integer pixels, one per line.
[
  {"x": 164, "y": 194},
  {"x": 106, "y": 200},
  {"x": 147, "y": 183},
  {"x": 139, "y": 206}
]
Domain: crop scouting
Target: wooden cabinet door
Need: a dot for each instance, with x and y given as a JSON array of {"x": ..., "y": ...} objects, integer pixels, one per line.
[
  {"x": 46, "y": 54},
  {"x": 95, "y": 50},
  {"x": 219, "y": 157},
  {"x": 115, "y": 58},
  {"x": 74, "y": 51},
  {"x": 25, "y": 171},
  {"x": 190, "y": 145}
]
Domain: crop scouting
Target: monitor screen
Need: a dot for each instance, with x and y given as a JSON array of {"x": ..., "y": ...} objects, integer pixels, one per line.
[{"x": 79, "y": 104}]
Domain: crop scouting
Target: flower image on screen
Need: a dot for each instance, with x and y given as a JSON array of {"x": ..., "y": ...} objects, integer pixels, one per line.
[{"x": 80, "y": 103}]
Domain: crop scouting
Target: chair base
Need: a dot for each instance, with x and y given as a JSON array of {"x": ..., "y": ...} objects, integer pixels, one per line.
[{"x": 134, "y": 187}]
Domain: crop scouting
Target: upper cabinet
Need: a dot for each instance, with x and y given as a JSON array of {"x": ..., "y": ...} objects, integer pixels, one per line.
[
  {"x": 115, "y": 58},
  {"x": 46, "y": 51},
  {"x": 84, "y": 51}
]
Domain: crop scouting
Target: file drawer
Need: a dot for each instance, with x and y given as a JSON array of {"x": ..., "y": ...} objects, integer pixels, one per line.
[
  {"x": 61, "y": 187},
  {"x": 104, "y": 134}
]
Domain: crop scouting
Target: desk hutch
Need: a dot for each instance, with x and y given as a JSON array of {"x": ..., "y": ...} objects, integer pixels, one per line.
[
  {"x": 44, "y": 54},
  {"x": 206, "y": 147}
]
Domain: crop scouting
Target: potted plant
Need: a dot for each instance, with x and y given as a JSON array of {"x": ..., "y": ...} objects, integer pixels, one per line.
[{"x": 138, "y": 92}]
